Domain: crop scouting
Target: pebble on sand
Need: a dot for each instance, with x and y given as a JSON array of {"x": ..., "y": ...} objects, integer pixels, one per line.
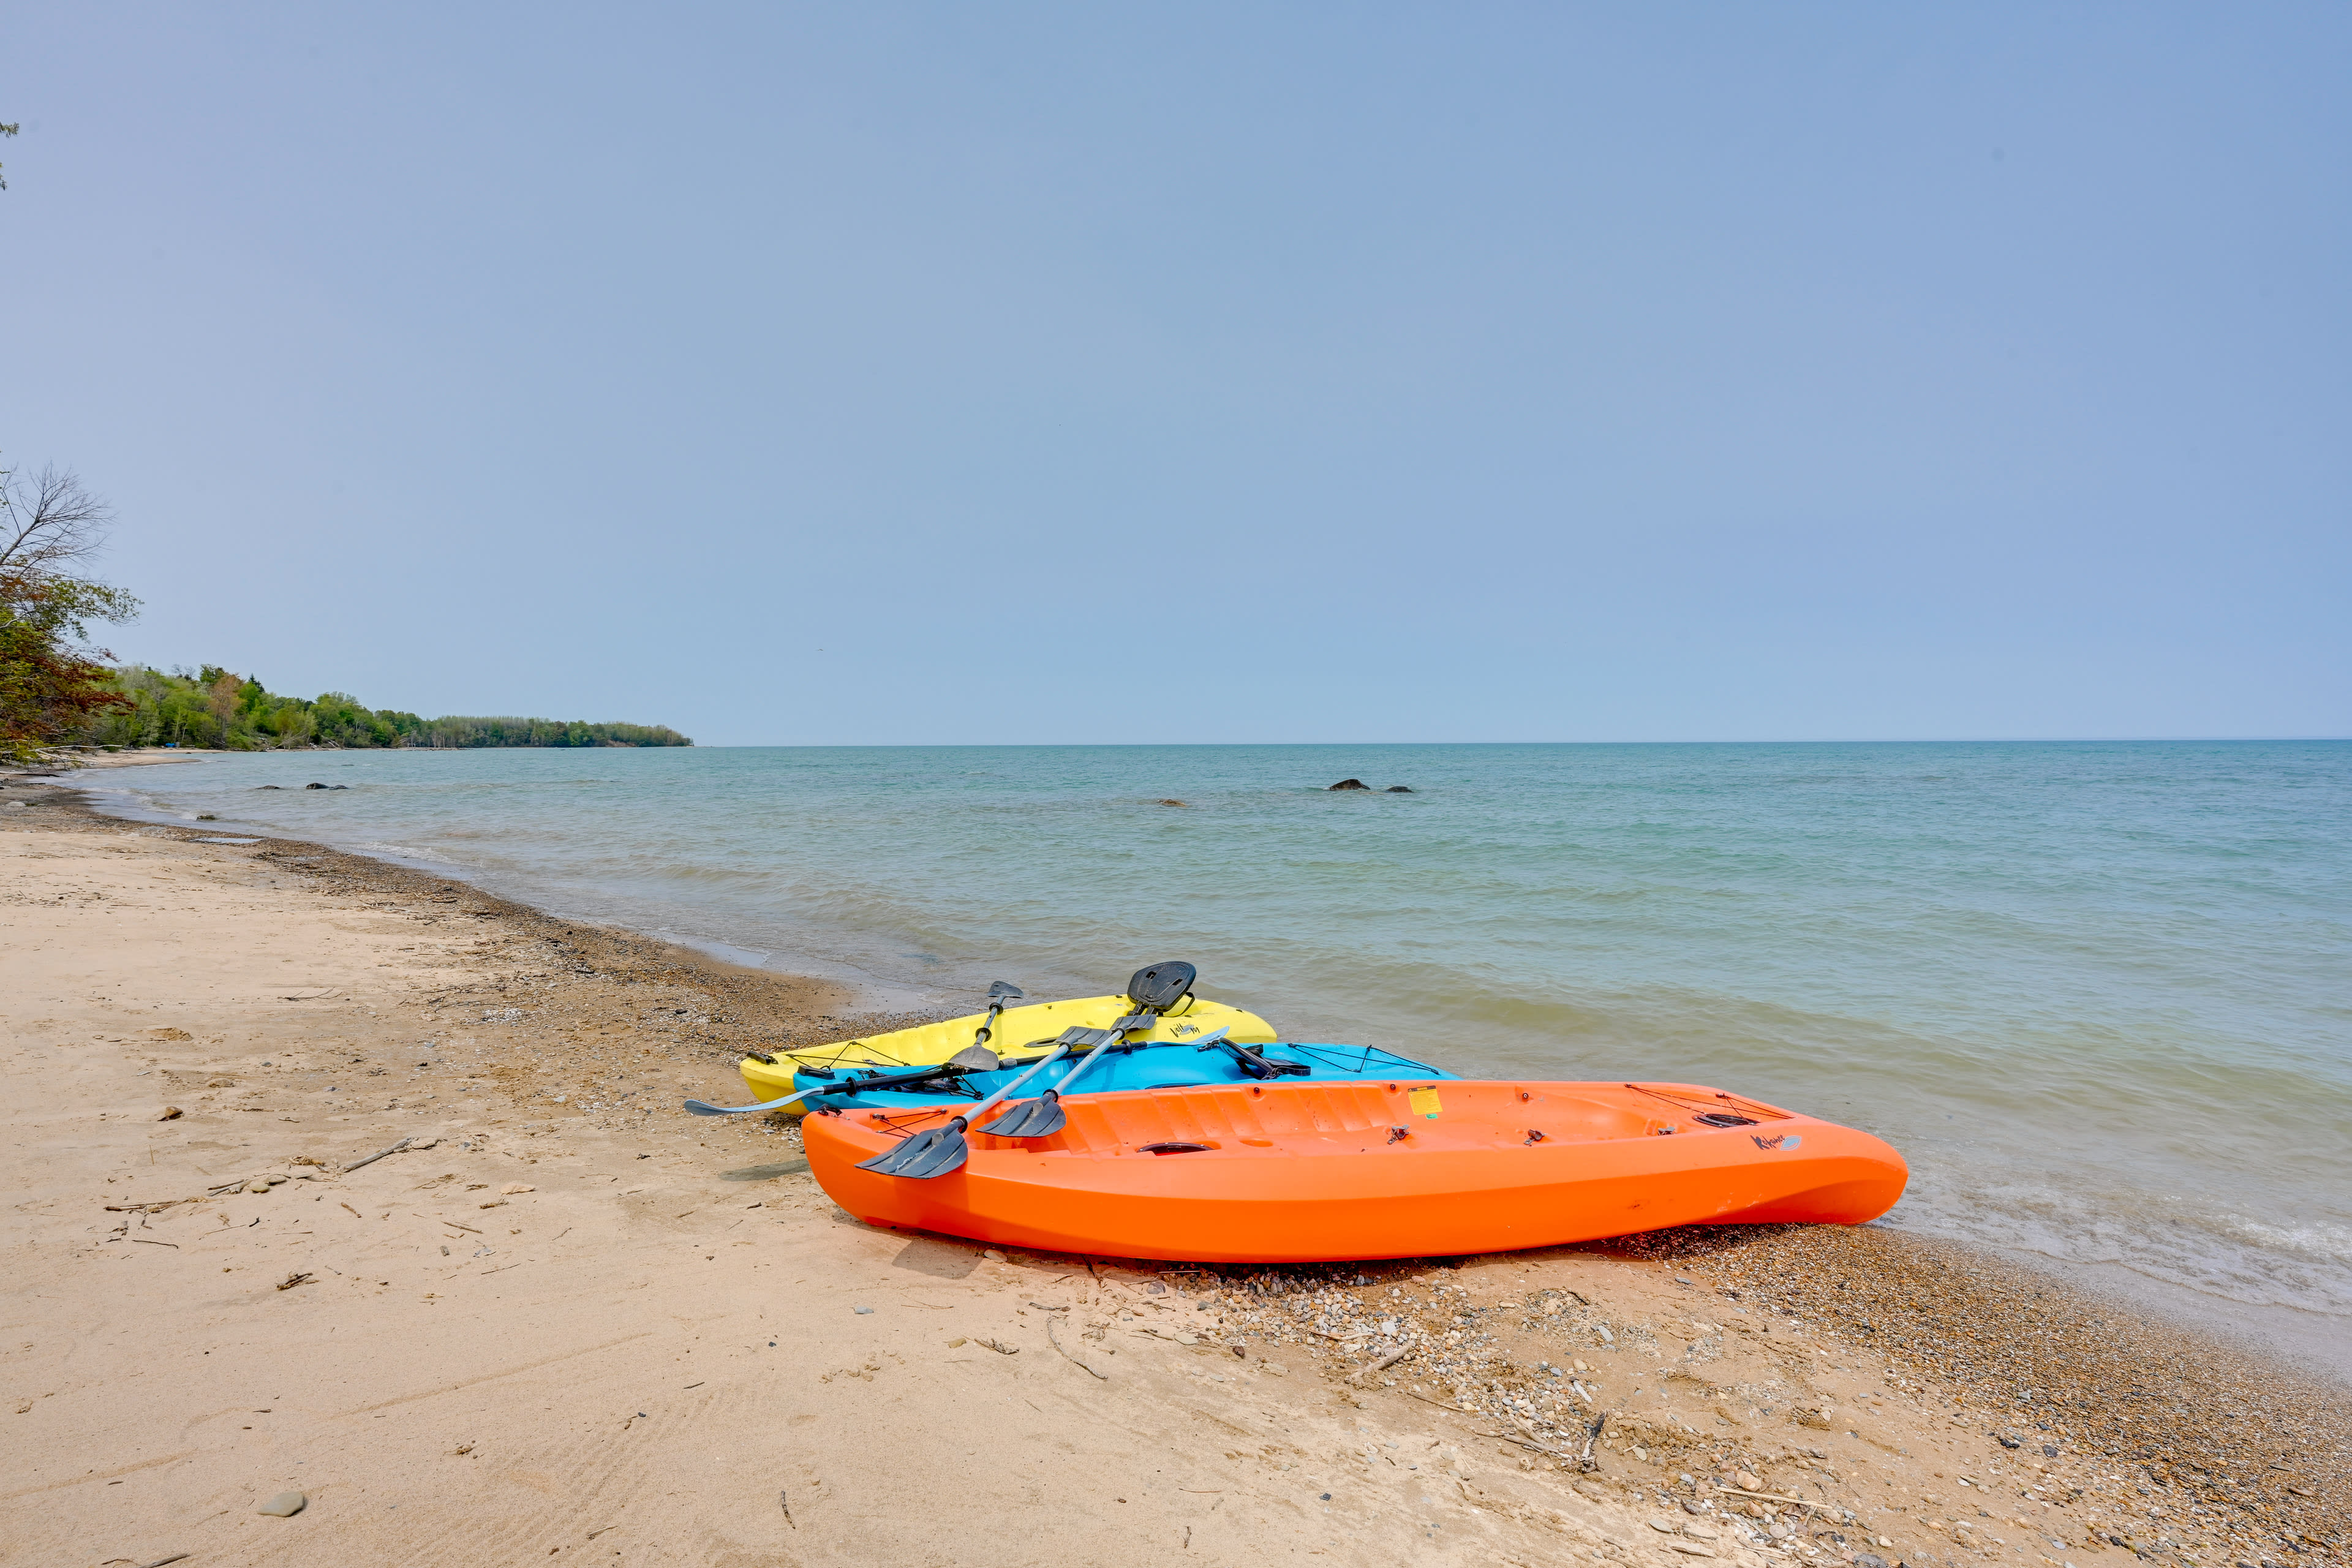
[{"x": 285, "y": 1504}]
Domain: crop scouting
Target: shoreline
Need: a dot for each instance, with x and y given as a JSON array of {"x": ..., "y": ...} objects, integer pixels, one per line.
[
  {"x": 496, "y": 987},
  {"x": 2288, "y": 1333}
]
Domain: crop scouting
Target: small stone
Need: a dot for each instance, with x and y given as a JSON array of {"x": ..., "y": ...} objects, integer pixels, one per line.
[
  {"x": 1663, "y": 1527},
  {"x": 1869, "y": 1560},
  {"x": 957, "y": 1343},
  {"x": 1699, "y": 1532},
  {"x": 258, "y": 1184},
  {"x": 862, "y": 1312},
  {"x": 169, "y": 1114},
  {"x": 1274, "y": 1369},
  {"x": 991, "y": 1254},
  {"x": 1749, "y": 1483},
  {"x": 285, "y": 1504},
  {"x": 1693, "y": 1549}
]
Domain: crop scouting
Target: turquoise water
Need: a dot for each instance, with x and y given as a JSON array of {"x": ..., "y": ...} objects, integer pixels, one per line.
[{"x": 2097, "y": 993}]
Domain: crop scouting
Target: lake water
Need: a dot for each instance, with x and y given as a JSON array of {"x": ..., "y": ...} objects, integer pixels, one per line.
[{"x": 2100, "y": 995}]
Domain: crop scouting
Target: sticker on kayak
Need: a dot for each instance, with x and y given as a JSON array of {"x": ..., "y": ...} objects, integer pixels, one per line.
[
  {"x": 1424, "y": 1102},
  {"x": 1786, "y": 1141}
]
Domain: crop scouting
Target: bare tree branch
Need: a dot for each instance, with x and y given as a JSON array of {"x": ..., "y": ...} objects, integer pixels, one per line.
[{"x": 49, "y": 522}]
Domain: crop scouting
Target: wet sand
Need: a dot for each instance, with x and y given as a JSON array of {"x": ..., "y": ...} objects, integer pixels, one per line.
[{"x": 568, "y": 1321}]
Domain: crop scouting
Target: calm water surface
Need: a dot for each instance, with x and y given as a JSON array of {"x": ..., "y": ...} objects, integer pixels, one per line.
[{"x": 2098, "y": 993}]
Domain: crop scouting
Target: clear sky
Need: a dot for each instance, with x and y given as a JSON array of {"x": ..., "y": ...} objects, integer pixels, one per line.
[{"x": 886, "y": 372}]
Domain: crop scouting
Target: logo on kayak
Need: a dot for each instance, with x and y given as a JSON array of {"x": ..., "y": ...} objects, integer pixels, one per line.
[
  {"x": 1424, "y": 1102},
  {"x": 1182, "y": 1030},
  {"x": 1785, "y": 1141}
]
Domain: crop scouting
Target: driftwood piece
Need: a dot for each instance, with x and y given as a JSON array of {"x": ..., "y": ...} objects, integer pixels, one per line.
[
  {"x": 1076, "y": 1360},
  {"x": 379, "y": 1154}
]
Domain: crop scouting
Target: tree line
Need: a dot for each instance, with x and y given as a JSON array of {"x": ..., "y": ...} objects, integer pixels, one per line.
[
  {"x": 58, "y": 690},
  {"x": 214, "y": 708}
]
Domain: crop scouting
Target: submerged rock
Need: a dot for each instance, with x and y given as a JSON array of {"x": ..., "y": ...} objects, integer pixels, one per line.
[{"x": 1351, "y": 783}]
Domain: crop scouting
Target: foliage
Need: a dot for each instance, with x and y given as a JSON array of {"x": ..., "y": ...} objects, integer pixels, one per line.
[
  {"x": 52, "y": 685},
  {"x": 215, "y": 708}
]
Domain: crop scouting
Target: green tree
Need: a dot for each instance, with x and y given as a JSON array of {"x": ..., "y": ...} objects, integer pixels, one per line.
[{"x": 52, "y": 683}]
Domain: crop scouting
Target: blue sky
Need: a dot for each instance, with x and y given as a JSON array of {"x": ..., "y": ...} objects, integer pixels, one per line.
[{"x": 878, "y": 373}]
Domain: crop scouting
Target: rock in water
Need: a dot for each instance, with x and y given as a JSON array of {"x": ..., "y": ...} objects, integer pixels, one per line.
[
  {"x": 1351, "y": 783},
  {"x": 286, "y": 1504},
  {"x": 1399, "y": 789},
  {"x": 314, "y": 784}
]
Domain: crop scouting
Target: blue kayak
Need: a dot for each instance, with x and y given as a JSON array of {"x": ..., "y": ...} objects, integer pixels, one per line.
[{"x": 1149, "y": 1064}]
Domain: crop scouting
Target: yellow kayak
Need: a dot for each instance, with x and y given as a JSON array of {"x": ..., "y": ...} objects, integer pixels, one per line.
[{"x": 1016, "y": 1029}]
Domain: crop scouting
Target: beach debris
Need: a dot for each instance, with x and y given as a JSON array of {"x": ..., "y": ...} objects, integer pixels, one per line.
[
  {"x": 1351, "y": 783},
  {"x": 167, "y": 1034},
  {"x": 511, "y": 1188},
  {"x": 1000, "y": 1348},
  {"x": 862, "y": 1312},
  {"x": 169, "y": 1114},
  {"x": 958, "y": 1342},
  {"x": 293, "y": 1280},
  {"x": 784, "y": 1502},
  {"x": 381, "y": 1154},
  {"x": 285, "y": 1505},
  {"x": 1066, "y": 1356}
]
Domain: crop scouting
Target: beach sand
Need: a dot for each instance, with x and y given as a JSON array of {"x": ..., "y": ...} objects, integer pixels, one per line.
[{"x": 568, "y": 1323}]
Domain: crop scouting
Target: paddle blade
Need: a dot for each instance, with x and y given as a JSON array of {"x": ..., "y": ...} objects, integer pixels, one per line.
[
  {"x": 1005, "y": 988},
  {"x": 1036, "y": 1117},
  {"x": 1161, "y": 987},
  {"x": 703, "y": 1107},
  {"x": 923, "y": 1156},
  {"x": 974, "y": 1058}
]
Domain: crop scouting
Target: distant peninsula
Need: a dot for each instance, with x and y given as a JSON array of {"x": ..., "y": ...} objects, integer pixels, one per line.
[{"x": 214, "y": 708}]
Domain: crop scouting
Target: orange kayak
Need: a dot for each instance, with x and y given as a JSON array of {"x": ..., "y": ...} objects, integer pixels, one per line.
[{"x": 1297, "y": 1171}]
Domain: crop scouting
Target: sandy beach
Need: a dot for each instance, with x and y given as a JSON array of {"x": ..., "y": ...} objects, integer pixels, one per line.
[{"x": 564, "y": 1321}]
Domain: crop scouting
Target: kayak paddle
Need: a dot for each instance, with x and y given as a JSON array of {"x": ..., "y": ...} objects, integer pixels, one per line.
[
  {"x": 937, "y": 1151},
  {"x": 1154, "y": 991},
  {"x": 974, "y": 1057}
]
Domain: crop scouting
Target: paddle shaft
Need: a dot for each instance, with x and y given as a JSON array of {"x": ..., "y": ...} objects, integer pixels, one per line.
[
  {"x": 988, "y": 1025},
  {"x": 965, "y": 1119},
  {"x": 1149, "y": 1017}
]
